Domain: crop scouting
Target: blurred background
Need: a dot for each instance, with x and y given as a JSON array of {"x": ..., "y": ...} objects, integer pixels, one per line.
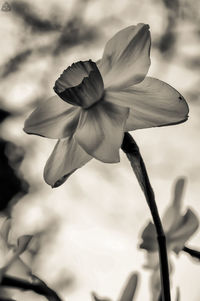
[{"x": 88, "y": 230}]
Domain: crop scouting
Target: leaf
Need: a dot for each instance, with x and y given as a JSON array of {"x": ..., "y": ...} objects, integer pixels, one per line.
[{"x": 130, "y": 288}]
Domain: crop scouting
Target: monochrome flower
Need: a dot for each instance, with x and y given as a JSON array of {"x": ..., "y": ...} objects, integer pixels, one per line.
[
  {"x": 97, "y": 102},
  {"x": 178, "y": 229},
  {"x": 10, "y": 262}
]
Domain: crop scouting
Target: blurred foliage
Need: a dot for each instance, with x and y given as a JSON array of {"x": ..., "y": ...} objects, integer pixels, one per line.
[
  {"x": 14, "y": 63},
  {"x": 25, "y": 12},
  {"x": 3, "y": 115},
  {"x": 13, "y": 186}
]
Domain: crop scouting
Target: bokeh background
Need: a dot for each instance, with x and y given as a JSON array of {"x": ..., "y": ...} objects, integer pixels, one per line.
[{"x": 88, "y": 230}]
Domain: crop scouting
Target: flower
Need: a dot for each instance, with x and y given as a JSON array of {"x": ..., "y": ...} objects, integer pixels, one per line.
[
  {"x": 97, "y": 102},
  {"x": 10, "y": 261},
  {"x": 178, "y": 229},
  {"x": 128, "y": 293}
]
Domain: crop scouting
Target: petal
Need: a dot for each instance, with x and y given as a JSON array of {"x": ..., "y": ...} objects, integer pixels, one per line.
[
  {"x": 177, "y": 238},
  {"x": 149, "y": 238},
  {"x": 22, "y": 243},
  {"x": 19, "y": 269},
  {"x": 178, "y": 298},
  {"x": 173, "y": 217},
  {"x": 96, "y": 298},
  {"x": 126, "y": 58},
  {"x": 53, "y": 118},
  {"x": 100, "y": 131},
  {"x": 5, "y": 229},
  {"x": 130, "y": 288},
  {"x": 81, "y": 84},
  {"x": 152, "y": 102},
  {"x": 73, "y": 75},
  {"x": 155, "y": 284},
  {"x": 66, "y": 157},
  {"x": 152, "y": 260}
]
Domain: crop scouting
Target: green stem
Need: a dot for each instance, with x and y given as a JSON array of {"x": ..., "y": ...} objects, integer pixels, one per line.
[{"x": 132, "y": 152}]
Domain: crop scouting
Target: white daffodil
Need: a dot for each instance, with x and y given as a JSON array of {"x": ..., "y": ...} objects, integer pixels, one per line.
[{"x": 97, "y": 102}]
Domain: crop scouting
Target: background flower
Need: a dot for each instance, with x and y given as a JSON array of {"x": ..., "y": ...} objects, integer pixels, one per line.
[
  {"x": 11, "y": 264},
  {"x": 178, "y": 229}
]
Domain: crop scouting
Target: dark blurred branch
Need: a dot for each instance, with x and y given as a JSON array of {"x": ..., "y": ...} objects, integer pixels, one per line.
[
  {"x": 132, "y": 152},
  {"x": 171, "y": 4},
  {"x": 3, "y": 115},
  {"x": 167, "y": 41},
  {"x": 14, "y": 63},
  {"x": 74, "y": 32},
  {"x": 192, "y": 252},
  {"x": 26, "y": 12},
  {"x": 13, "y": 186},
  {"x": 39, "y": 288}
]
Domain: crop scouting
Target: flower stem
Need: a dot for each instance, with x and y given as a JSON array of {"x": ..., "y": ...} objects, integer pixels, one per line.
[
  {"x": 132, "y": 152},
  {"x": 38, "y": 287},
  {"x": 193, "y": 253}
]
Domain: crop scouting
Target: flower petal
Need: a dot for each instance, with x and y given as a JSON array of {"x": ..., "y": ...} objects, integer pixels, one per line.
[
  {"x": 187, "y": 228},
  {"x": 149, "y": 238},
  {"x": 126, "y": 58},
  {"x": 96, "y": 298},
  {"x": 5, "y": 229},
  {"x": 100, "y": 131},
  {"x": 53, "y": 118},
  {"x": 66, "y": 157},
  {"x": 152, "y": 260},
  {"x": 73, "y": 75},
  {"x": 19, "y": 269},
  {"x": 172, "y": 217},
  {"x": 22, "y": 243},
  {"x": 130, "y": 288},
  {"x": 152, "y": 102},
  {"x": 81, "y": 84},
  {"x": 155, "y": 285}
]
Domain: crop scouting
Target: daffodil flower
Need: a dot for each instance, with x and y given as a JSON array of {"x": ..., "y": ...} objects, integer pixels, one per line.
[
  {"x": 97, "y": 102},
  {"x": 178, "y": 229}
]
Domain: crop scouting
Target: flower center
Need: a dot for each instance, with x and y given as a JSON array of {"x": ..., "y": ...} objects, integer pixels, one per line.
[{"x": 94, "y": 103}]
